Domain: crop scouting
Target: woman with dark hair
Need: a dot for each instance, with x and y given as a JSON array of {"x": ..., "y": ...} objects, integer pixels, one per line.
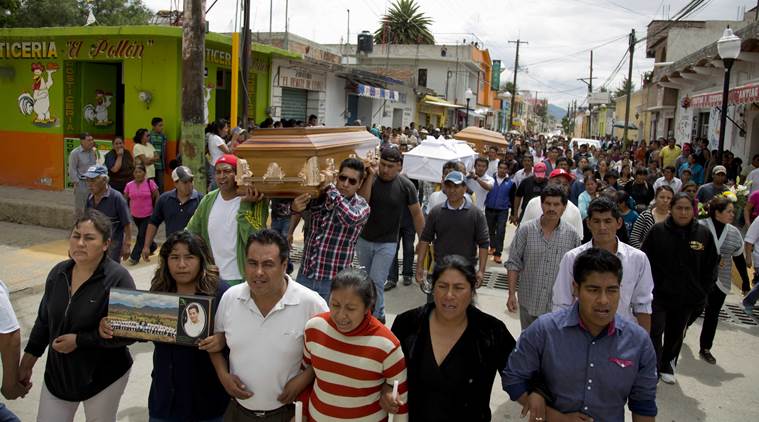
[
  {"x": 729, "y": 244},
  {"x": 141, "y": 194},
  {"x": 120, "y": 165},
  {"x": 81, "y": 367},
  {"x": 184, "y": 383},
  {"x": 216, "y": 132},
  {"x": 453, "y": 350},
  {"x": 356, "y": 358},
  {"x": 657, "y": 214},
  {"x": 145, "y": 153}
]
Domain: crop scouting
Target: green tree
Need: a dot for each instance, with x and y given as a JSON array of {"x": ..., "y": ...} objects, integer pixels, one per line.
[
  {"x": 47, "y": 13},
  {"x": 508, "y": 86},
  {"x": 622, "y": 90},
  {"x": 404, "y": 24}
]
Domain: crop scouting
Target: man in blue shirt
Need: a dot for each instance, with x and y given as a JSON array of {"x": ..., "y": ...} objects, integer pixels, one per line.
[
  {"x": 497, "y": 205},
  {"x": 591, "y": 360}
]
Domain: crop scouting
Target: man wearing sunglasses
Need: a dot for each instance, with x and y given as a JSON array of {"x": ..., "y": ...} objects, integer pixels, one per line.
[{"x": 337, "y": 217}]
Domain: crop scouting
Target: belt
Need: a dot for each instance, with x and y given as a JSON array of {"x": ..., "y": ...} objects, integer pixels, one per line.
[{"x": 264, "y": 413}]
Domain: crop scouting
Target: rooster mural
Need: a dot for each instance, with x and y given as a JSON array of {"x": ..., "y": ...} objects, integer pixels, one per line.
[
  {"x": 97, "y": 113},
  {"x": 38, "y": 102}
]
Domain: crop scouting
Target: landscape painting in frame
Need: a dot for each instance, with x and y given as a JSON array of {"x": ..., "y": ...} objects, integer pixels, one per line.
[{"x": 162, "y": 317}]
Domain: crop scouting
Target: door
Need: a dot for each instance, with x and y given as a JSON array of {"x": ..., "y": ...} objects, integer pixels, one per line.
[
  {"x": 398, "y": 118},
  {"x": 294, "y": 103}
]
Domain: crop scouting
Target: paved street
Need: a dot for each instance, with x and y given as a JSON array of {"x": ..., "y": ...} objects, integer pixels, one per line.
[{"x": 725, "y": 392}]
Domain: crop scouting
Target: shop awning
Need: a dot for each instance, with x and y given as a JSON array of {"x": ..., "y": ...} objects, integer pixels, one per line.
[
  {"x": 438, "y": 102},
  {"x": 364, "y": 90},
  {"x": 745, "y": 94}
]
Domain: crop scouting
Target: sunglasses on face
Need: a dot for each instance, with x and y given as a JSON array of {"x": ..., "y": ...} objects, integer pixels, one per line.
[{"x": 350, "y": 180}]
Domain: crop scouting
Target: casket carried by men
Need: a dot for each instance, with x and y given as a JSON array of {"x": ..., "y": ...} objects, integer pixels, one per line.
[
  {"x": 481, "y": 139},
  {"x": 425, "y": 162},
  {"x": 288, "y": 162}
]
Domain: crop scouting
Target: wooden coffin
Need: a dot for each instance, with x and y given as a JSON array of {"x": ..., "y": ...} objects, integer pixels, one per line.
[
  {"x": 285, "y": 163},
  {"x": 480, "y": 139}
]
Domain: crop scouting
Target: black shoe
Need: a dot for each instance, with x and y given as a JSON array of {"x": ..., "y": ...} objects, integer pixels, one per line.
[
  {"x": 407, "y": 280},
  {"x": 707, "y": 356},
  {"x": 390, "y": 285}
]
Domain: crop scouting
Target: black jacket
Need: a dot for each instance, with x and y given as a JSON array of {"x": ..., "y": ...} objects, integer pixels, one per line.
[
  {"x": 493, "y": 346},
  {"x": 95, "y": 363},
  {"x": 684, "y": 263}
]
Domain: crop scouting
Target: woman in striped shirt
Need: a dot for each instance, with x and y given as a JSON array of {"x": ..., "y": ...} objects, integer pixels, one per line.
[{"x": 355, "y": 357}]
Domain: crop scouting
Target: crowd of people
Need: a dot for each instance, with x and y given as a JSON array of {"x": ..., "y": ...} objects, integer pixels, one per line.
[{"x": 616, "y": 252}]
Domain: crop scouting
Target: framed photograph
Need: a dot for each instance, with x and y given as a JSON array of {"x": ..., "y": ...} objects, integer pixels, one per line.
[{"x": 163, "y": 317}]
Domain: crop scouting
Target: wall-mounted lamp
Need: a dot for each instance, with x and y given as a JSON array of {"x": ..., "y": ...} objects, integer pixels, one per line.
[{"x": 146, "y": 98}]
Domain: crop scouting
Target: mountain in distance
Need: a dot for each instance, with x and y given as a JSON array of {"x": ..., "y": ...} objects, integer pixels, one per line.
[
  {"x": 557, "y": 112},
  {"x": 145, "y": 310}
]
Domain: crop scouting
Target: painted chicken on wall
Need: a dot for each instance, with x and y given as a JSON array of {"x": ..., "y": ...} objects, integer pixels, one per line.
[
  {"x": 38, "y": 102},
  {"x": 97, "y": 114}
]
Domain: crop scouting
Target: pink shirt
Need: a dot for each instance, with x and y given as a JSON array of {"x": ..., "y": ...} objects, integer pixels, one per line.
[
  {"x": 140, "y": 197},
  {"x": 754, "y": 200}
]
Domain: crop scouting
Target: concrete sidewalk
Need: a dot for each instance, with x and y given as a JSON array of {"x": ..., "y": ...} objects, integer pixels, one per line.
[{"x": 54, "y": 209}]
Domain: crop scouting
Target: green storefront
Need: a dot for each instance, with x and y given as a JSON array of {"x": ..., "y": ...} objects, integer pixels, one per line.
[{"x": 110, "y": 81}]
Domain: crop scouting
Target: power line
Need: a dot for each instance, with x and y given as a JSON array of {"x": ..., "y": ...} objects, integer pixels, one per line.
[{"x": 585, "y": 50}]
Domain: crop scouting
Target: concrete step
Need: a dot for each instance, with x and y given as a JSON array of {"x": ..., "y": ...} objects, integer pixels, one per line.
[{"x": 53, "y": 209}]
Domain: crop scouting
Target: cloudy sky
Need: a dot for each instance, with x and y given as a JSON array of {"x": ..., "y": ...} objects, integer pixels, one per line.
[{"x": 559, "y": 32}]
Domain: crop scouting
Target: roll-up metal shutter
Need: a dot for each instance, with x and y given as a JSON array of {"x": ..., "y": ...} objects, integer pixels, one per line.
[{"x": 294, "y": 103}]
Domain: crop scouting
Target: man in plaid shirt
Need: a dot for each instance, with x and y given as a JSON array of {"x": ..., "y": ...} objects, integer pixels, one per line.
[{"x": 337, "y": 217}]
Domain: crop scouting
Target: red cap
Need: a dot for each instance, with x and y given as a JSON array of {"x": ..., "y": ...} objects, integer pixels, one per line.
[
  {"x": 539, "y": 170},
  {"x": 227, "y": 159},
  {"x": 562, "y": 172}
]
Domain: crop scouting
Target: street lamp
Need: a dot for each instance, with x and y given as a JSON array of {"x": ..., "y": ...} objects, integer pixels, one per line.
[
  {"x": 468, "y": 96},
  {"x": 728, "y": 47}
]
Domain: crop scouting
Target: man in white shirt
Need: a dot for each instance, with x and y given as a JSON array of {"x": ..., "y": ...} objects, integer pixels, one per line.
[
  {"x": 525, "y": 171},
  {"x": 637, "y": 285},
  {"x": 10, "y": 350},
  {"x": 571, "y": 214},
  {"x": 669, "y": 179},
  {"x": 492, "y": 159},
  {"x": 263, "y": 322},
  {"x": 195, "y": 323},
  {"x": 480, "y": 182}
]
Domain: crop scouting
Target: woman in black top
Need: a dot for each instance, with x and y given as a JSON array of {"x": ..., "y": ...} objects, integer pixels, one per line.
[
  {"x": 120, "y": 165},
  {"x": 185, "y": 387},
  {"x": 453, "y": 350},
  {"x": 81, "y": 366}
]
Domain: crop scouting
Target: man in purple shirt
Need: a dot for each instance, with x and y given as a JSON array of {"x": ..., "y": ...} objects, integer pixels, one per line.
[{"x": 591, "y": 361}]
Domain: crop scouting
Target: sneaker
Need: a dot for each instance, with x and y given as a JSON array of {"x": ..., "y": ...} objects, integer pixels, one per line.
[
  {"x": 707, "y": 356},
  {"x": 667, "y": 378},
  {"x": 407, "y": 280},
  {"x": 748, "y": 309},
  {"x": 497, "y": 259},
  {"x": 390, "y": 285}
]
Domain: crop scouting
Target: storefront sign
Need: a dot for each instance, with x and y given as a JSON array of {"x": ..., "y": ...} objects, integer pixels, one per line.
[
  {"x": 301, "y": 79},
  {"x": 28, "y": 50},
  {"x": 746, "y": 94},
  {"x": 374, "y": 92},
  {"x": 69, "y": 92},
  {"x": 218, "y": 57}
]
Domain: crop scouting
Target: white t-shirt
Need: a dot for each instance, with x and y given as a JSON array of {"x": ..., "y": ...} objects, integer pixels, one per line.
[
  {"x": 753, "y": 177},
  {"x": 214, "y": 144},
  {"x": 492, "y": 166},
  {"x": 148, "y": 150},
  {"x": 266, "y": 352},
  {"x": 571, "y": 214},
  {"x": 480, "y": 194},
  {"x": 222, "y": 234},
  {"x": 8, "y": 321},
  {"x": 752, "y": 237}
]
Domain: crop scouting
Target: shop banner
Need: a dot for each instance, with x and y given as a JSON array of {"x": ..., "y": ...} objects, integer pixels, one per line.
[
  {"x": 746, "y": 94},
  {"x": 378, "y": 93}
]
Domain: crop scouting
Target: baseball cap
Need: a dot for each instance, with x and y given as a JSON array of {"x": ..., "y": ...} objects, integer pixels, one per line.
[
  {"x": 686, "y": 169},
  {"x": 181, "y": 173},
  {"x": 391, "y": 154},
  {"x": 719, "y": 169},
  {"x": 227, "y": 159},
  {"x": 539, "y": 169},
  {"x": 562, "y": 172},
  {"x": 96, "y": 171},
  {"x": 455, "y": 177}
]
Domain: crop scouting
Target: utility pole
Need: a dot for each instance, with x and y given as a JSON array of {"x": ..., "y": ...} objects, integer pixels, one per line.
[
  {"x": 348, "y": 35},
  {"x": 287, "y": 27},
  {"x": 629, "y": 87},
  {"x": 271, "y": 8},
  {"x": 192, "y": 143},
  {"x": 245, "y": 63},
  {"x": 518, "y": 42}
]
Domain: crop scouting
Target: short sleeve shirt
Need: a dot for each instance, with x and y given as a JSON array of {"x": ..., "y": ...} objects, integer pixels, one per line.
[
  {"x": 387, "y": 202},
  {"x": 140, "y": 197},
  {"x": 752, "y": 237},
  {"x": 8, "y": 321},
  {"x": 148, "y": 151},
  {"x": 480, "y": 194}
]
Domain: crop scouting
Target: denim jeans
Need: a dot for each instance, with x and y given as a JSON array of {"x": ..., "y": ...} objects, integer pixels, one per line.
[
  {"x": 496, "y": 228},
  {"x": 407, "y": 237},
  {"x": 281, "y": 225},
  {"x": 753, "y": 295},
  {"x": 376, "y": 258},
  {"x": 142, "y": 229},
  {"x": 6, "y": 415},
  {"x": 322, "y": 286}
]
